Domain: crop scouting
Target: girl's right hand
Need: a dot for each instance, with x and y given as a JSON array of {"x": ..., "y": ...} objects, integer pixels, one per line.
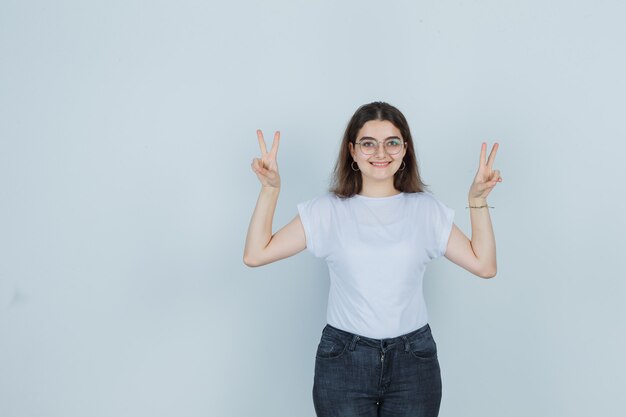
[{"x": 266, "y": 167}]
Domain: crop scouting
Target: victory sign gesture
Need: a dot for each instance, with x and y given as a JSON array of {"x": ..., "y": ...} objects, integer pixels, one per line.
[
  {"x": 486, "y": 177},
  {"x": 266, "y": 167}
]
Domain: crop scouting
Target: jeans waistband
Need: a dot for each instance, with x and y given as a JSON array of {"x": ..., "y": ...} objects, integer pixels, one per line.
[{"x": 353, "y": 338}]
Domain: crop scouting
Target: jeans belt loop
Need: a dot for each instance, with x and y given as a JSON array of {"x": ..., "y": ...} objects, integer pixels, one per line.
[
  {"x": 407, "y": 344},
  {"x": 355, "y": 339}
]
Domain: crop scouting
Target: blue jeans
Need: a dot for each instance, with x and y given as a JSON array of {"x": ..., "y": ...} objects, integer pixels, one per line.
[{"x": 360, "y": 376}]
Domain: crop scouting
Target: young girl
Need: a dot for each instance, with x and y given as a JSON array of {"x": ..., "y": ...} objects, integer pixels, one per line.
[{"x": 377, "y": 228}]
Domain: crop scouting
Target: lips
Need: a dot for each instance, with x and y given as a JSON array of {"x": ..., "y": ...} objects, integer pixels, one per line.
[{"x": 380, "y": 165}]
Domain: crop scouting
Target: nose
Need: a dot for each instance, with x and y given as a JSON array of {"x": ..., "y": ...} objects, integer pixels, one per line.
[{"x": 379, "y": 152}]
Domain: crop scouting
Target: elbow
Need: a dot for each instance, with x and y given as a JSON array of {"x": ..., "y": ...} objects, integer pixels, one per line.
[
  {"x": 490, "y": 273},
  {"x": 249, "y": 262},
  {"x": 254, "y": 261}
]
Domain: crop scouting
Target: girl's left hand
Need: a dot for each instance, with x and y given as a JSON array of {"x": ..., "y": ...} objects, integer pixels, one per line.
[{"x": 486, "y": 178}]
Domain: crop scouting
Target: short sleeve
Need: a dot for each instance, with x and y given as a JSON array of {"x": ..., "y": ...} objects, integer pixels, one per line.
[
  {"x": 441, "y": 218},
  {"x": 316, "y": 218}
]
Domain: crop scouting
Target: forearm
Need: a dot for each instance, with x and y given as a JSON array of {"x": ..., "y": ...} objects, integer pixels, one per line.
[
  {"x": 483, "y": 240},
  {"x": 260, "y": 228}
]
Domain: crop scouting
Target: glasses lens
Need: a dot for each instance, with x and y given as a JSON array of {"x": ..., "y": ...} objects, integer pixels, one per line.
[
  {"x": 393, "y": 146},
  {"x": 370, "y": 146}
]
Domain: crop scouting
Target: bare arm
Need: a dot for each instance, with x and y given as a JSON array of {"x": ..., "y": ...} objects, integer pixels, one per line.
[
  {"x": 478, "y": 255},
  {"x": 483, "y": 239},
  {"x": 260, "y": 228},
  {"x": 261, "y": 246}
]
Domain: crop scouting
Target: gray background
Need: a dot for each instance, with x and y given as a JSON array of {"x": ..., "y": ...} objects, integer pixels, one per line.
[{"x": 127, "y": 130}]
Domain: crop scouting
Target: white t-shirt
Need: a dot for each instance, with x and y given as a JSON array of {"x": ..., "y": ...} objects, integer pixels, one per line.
[{"x": 376, "y": 250}]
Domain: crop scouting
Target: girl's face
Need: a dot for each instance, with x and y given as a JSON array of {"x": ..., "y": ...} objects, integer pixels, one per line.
[{"x": 381, "y": 130}]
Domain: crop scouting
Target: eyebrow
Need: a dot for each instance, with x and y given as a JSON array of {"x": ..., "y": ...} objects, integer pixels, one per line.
[{"x": 369, "y": 137}]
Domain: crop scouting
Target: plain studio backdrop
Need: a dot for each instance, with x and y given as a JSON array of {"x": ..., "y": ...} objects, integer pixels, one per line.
[{"x": 127, "y": 131}]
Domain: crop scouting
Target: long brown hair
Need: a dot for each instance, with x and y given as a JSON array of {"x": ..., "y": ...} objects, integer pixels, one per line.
[{"x": 345, "y": 182}]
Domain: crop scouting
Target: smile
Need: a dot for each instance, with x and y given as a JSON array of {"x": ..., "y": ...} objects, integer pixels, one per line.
[{"x": 380, "y": 164}]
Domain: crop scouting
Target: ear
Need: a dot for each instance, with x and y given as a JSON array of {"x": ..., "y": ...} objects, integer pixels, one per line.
[{"x": 351, "y": 147}]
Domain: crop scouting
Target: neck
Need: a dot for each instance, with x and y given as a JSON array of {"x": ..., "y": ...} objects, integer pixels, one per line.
[{"x": 378, "y": 190}]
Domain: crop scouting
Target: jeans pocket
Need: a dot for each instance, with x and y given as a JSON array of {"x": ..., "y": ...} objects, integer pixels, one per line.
[
  {"x": 330, "y": 347},
  {"x": 423, "y": 347}
]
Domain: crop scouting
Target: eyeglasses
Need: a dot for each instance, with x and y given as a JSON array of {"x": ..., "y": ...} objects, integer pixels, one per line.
[{"x": 370, "y": 146}]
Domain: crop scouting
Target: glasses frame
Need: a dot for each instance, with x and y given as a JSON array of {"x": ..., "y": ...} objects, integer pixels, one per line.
[{"x": 378, "y": 146}]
